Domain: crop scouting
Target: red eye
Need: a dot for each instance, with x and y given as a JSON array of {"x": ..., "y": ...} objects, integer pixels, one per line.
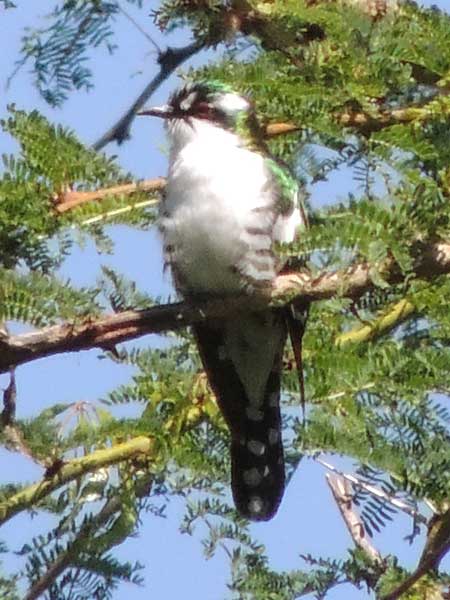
[{"x": 203, "y": 110}]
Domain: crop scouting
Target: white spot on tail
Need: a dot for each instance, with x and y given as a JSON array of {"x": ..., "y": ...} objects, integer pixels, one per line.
[
  {"x": 256, "y": 448},
  {"x": 256, "y": 505},
  {"x": 273, "y": 436},
  {"x": 252, "y": 477}
]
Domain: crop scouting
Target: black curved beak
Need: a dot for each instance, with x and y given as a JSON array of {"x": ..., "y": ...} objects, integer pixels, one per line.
[{"x": 164, "y": 112}]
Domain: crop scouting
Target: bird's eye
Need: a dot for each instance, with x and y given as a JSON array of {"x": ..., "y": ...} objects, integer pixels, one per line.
[{"x": 203, "y": 110}]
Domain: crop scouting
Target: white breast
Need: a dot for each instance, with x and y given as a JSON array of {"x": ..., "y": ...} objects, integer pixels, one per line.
[{"x": 214, "y": 185}]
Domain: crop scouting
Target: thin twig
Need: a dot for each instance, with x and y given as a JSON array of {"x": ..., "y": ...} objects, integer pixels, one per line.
[
  {"x": 343, "y": 393},
  {"x": 70, "y": 199},
  {"x": 140, "y": 29},
  {"x": 377, "y": 492},
  {"x": 169, "y": 60},
  {"x": 119, "y": 211},
  {"x": 221, "y": 544},
  {"x": 367, "y": 123}
]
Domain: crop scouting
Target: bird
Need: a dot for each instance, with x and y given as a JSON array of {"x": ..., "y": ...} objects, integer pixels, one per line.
[{"x": 227, "y": 202}]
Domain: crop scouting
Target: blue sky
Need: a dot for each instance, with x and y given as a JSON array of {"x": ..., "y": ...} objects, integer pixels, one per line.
[{"x": 308, "y": 521}]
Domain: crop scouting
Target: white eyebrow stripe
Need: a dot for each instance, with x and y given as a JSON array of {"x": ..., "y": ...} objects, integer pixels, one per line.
[
  {"x": 231, "y": 103},
  {"x": 188, "y": 101}
]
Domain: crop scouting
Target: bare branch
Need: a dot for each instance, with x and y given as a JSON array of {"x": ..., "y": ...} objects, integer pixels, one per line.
[
  {"x": 168, "y": 61},
  {"x": 140, "y": 29},
  {"x": 70, "y": 199},
  {"x": 112, "y": 329},
  {"x": 377, "y": 492},
  {"x": 342, "y": 493},
  {"x": 110, "y": 214},
  {"x": 376, "y": 9}
]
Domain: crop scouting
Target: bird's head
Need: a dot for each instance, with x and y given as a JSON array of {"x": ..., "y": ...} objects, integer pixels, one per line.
[{"x": 208, "y": 102}]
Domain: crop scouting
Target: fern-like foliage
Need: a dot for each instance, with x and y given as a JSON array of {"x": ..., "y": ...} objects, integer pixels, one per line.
[
  {"x": 58, "y": 52},
  {"x": 369, "y": 94}
]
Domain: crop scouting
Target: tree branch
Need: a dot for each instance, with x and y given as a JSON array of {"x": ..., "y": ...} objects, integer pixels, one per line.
[
  {"x": 399, "y": 313},
  {"x": 30, "y": 496},
  {"x": 367, "y": 123},
  {"x": 436, "y": 547},
  {"x": 168, "y": 61},
  {"x": 342, "y": 494},
  {"x": 377, "y": 492},
  {"x": 352, "y": 282},
  {"x": 70, "y": 199}
]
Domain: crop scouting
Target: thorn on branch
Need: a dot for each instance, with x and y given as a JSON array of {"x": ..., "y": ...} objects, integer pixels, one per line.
[{"x": 396, "y": 315}]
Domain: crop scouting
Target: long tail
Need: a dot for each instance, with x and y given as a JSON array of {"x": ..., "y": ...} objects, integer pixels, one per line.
[{"x": 242, "y": 359}]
